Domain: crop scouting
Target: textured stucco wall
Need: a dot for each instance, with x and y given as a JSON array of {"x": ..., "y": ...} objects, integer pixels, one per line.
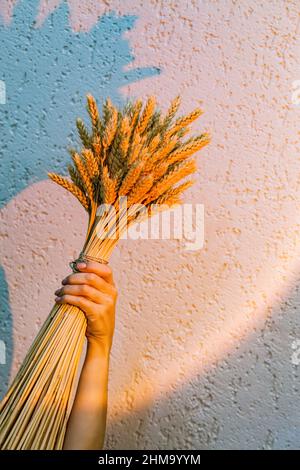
[{"x": 205, "y": 350}]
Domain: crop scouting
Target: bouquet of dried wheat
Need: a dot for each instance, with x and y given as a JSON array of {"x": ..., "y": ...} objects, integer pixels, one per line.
[{"x": 131, "y": 157}]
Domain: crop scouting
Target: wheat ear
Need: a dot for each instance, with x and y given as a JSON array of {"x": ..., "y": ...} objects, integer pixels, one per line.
[
  {"x": 175, "y": 103},
  {"x": 136, "y": 112},
  {"x": 125, "y": 132},
  {"x": 131, "y": 178},
  {"x": 93, "y": 112},
  {"x": 135, "y": 150},
  {"x": 83, "y": 133},
  {"x": 140, "y": 189},
  {"x": 169, "y": 198},
  {"x": 183, "y": 122},
  {"x": 109, "y": 186},
  {"x": 160, "y": 170},
  {"x": 110, "y": 129},
  {"x": 75, "y": 177},
  {"x": 71, "y": 187},
  {"x": 173, "y": 192},
  {"x": 154, "y": 143},
  {"x": 189, "y": 148},
  {"x": 160, "y": 154},
  {"x": 97, "y": 147},
  {"x": 90, "y": 163},
  {"x": 173, "y": 176},
  {"x": 147, "y": 113},
  {"x": 84, "y": 175}
]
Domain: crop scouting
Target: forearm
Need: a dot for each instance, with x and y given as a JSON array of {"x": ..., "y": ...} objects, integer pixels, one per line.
[{"x": 87, "y": 421}]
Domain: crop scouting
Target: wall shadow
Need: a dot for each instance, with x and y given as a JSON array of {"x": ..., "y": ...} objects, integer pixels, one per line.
[
  {"x": 6, "y": 333},
  {"x": 47, "y": 72}
]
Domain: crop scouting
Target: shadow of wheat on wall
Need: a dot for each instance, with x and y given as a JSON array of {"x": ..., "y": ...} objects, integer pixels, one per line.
[{"x": 47, "y": 70}]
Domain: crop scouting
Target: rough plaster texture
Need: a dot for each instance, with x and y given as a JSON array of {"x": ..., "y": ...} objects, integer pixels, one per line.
[{"x": 202, "y": 354}]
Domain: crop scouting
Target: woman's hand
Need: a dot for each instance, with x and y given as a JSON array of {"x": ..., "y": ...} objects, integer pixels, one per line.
[{"x": 94, "y": 292}]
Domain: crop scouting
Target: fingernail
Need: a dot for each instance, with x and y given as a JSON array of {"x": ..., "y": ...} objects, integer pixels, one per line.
[
  {"x": 57, "y": 299},
  {"x": 81, "y": 265},
  {"x": 64, "y": 281}
]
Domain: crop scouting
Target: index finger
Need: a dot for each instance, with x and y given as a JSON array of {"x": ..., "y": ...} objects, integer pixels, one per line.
[{"x": 101, "y": 269}]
